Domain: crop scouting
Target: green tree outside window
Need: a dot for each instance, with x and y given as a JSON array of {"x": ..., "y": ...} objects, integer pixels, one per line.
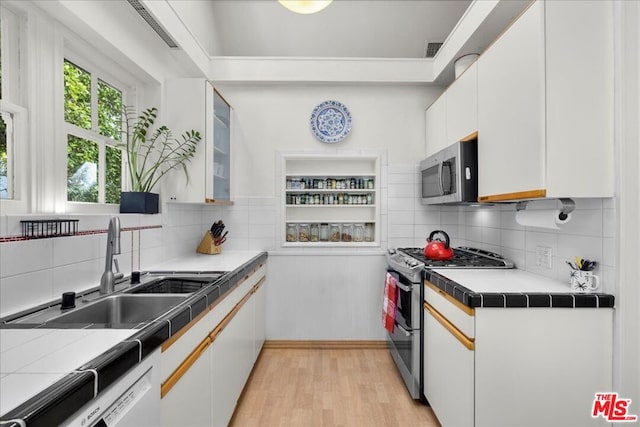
[{"x": 82, "y": 154}]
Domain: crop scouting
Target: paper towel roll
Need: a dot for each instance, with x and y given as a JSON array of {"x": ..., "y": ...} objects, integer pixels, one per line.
[{"x": 546, "y": 218}]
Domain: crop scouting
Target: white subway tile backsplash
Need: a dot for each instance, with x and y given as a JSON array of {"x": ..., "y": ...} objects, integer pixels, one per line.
[
  {"x": 150, "y": 238},
  {"x": 491, "y": 236},
  {"x": 401, "y": 218},
  {"x": 81, "y": 276},
  {"x": 538, "y": 238},
  {"x": 586, "y": 247},
  {"x": 512, "y": 239},
  {"x": 25, "y": 290},
  {"x": 427, "y": 215},
  {"x": 473, "y": 234},
  {"x": 401, "y": 204},
  {"x": 609, "y": 252},
  {"x": 609, "y": 226},
  {"x": 151, "y": 257},
  {"x": 401, "y": 190},
  {"x": 584, "y": 222},
  {"x": 401, "y": 178},
  {"x": 399, "y": 230},
  {"x": 25, "y": 256},
  {"x": 73, "y": 249}
]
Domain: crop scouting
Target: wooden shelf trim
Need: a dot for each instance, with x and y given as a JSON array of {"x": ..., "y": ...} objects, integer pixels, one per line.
[{"x": 520, "y": 195}]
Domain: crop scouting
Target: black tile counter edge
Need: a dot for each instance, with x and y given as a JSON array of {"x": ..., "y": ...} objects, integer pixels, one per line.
[
  {"x": 520, "y": 299},
  {"x": 57, "y": 402}
]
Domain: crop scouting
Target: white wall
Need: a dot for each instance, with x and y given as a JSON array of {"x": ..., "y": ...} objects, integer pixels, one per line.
[{"x": 269, "y": 118}]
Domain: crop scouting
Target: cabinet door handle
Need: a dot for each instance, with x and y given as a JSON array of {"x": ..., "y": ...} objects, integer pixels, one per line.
[
  {"x": 184, "y": 367},
  {"x": 457, "y": 333}
]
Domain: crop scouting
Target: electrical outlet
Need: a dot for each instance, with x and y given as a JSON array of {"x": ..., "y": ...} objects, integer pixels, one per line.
[{"x": 543, "y": 256}]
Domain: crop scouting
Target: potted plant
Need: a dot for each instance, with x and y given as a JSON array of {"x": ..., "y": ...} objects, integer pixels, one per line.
[{"x": 151, "y": 154}]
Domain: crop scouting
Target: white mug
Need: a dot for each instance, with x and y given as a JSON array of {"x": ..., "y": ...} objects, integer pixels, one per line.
[{"x": 584, "y": 281}]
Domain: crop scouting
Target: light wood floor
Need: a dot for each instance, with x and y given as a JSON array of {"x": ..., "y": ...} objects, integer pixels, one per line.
[{"x": 328, "y": 387}]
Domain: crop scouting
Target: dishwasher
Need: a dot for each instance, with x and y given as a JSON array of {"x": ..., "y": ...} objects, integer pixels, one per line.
[{"x": 133, "y": 401}]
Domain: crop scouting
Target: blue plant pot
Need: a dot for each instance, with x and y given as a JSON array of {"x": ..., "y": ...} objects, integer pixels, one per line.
[{"x": 139, "y": 202}]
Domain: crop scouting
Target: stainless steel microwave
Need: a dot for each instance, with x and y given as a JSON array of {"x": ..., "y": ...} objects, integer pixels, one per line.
[{"x": 450, "y": 176}]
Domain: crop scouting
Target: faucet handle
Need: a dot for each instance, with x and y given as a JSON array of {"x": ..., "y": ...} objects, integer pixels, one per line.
[{"x": 117, "y": 274}]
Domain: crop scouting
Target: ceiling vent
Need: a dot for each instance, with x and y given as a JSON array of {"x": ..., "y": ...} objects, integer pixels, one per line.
[
  {"x": 152, "y": 23},
  {"x": 432, "y": 49}
]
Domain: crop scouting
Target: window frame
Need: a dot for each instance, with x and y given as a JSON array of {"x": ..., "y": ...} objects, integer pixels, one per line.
[
  {"x": 95, "y": 65},
  {"x": 13, "y": 28}
]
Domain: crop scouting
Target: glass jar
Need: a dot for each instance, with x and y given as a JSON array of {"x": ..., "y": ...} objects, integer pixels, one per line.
[
  {"x": 292, "y": 232},
  {"x": 358, "y": 233},
  {"x": 303, "y": 233},
  {"x": 370, "y": 184},
  {"x": 369, "y": 232},
  {"x": 347, "y": 232},
  {"x": 315, "y": 233},
  {"x": 324, "y": 232},
  {"x": 334, "y": 233}
]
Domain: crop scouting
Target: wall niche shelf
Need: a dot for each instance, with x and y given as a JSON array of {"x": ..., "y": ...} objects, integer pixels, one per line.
[{"x": 330, "y": 200}]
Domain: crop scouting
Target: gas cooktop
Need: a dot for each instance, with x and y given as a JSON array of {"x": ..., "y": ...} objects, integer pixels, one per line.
[{"x": 464, "y": 257}]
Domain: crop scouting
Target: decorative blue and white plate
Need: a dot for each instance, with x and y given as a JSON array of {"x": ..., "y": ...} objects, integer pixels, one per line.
[{"x": 331, "y": 121}]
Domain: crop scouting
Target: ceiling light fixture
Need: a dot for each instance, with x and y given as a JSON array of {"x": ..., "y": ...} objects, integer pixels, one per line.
[{"x": 305, "y": 7}]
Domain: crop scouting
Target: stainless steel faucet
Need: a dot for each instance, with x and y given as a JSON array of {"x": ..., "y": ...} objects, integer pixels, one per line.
[{"x": 113, "y": 248}]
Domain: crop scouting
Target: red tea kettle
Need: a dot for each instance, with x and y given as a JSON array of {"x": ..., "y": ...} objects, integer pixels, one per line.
[{"x": 437, "y": 249}]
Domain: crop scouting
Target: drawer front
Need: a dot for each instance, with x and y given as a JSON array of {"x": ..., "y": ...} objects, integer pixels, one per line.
[
  {"x": 449, "y": 373},
  {"x": 461, "y": 316}
]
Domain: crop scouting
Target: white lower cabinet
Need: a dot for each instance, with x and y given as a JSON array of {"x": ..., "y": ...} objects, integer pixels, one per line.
[
  {"x": 259, "y": 320},
  {"x": 189, "y": 401},
  {"x": 203, "y": 389},
  {"x": 448, "y": 374},
  {"x": 231, "y": 363},
  {"x": 524, "y": 367}
]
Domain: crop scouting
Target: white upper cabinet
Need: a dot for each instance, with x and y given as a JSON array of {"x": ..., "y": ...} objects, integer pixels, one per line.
[
  {"x": 454, "y": 115},
  {"x": 195, "y": 104},
  {"x": 545, "y": 105},
  {"x": 462, "y": 106},
  {"x": 436, "y": 131}
]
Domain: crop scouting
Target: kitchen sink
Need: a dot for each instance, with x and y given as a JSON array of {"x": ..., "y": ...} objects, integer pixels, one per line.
[
  {"x": 175, "y": 285},
  {"x": 118, "y": 309}
]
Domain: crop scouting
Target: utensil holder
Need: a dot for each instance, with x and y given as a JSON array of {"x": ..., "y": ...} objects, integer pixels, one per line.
[{"x": 207, "y": 245}]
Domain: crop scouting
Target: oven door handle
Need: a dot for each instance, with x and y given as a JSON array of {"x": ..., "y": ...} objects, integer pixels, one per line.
[
  {"x": 407, "y": 333},
  {"x": 403, "y": 287}
]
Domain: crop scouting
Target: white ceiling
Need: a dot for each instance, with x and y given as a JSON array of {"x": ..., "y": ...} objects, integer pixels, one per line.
[{"x": 347, "y": 28}]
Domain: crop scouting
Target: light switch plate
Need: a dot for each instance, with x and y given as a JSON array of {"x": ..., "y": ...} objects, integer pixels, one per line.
[{"x": 544, "y": 257}]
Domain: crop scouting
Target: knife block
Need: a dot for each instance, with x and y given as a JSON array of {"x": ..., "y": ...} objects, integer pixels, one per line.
[{"x": 207, "y": 246}]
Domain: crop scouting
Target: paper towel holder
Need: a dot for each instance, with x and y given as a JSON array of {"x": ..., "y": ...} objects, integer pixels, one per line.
[{"x": 568, "y": 205}]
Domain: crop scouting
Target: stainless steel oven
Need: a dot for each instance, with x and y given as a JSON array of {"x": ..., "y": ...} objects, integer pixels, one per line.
[
  {"x": 407, "y": 266},
  {"x": 405, "y": 343}
]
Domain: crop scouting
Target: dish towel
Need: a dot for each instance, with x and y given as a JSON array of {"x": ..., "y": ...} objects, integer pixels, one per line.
[{"x": 389, "y": 302}]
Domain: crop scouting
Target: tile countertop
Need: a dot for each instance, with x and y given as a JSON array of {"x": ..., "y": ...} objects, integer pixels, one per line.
[
  {"x": 225, "y": 261},
  {"x": 31, "y": 360},
  {"x": 511, "y": 288}
]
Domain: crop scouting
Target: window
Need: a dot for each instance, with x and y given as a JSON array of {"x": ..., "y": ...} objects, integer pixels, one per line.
[
  {"x": 93, "y": 116},
  {"x": 12, "y": 116}
]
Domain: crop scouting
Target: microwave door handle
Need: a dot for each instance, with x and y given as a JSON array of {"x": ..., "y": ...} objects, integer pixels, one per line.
[{"x": 440, "y": 172}]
